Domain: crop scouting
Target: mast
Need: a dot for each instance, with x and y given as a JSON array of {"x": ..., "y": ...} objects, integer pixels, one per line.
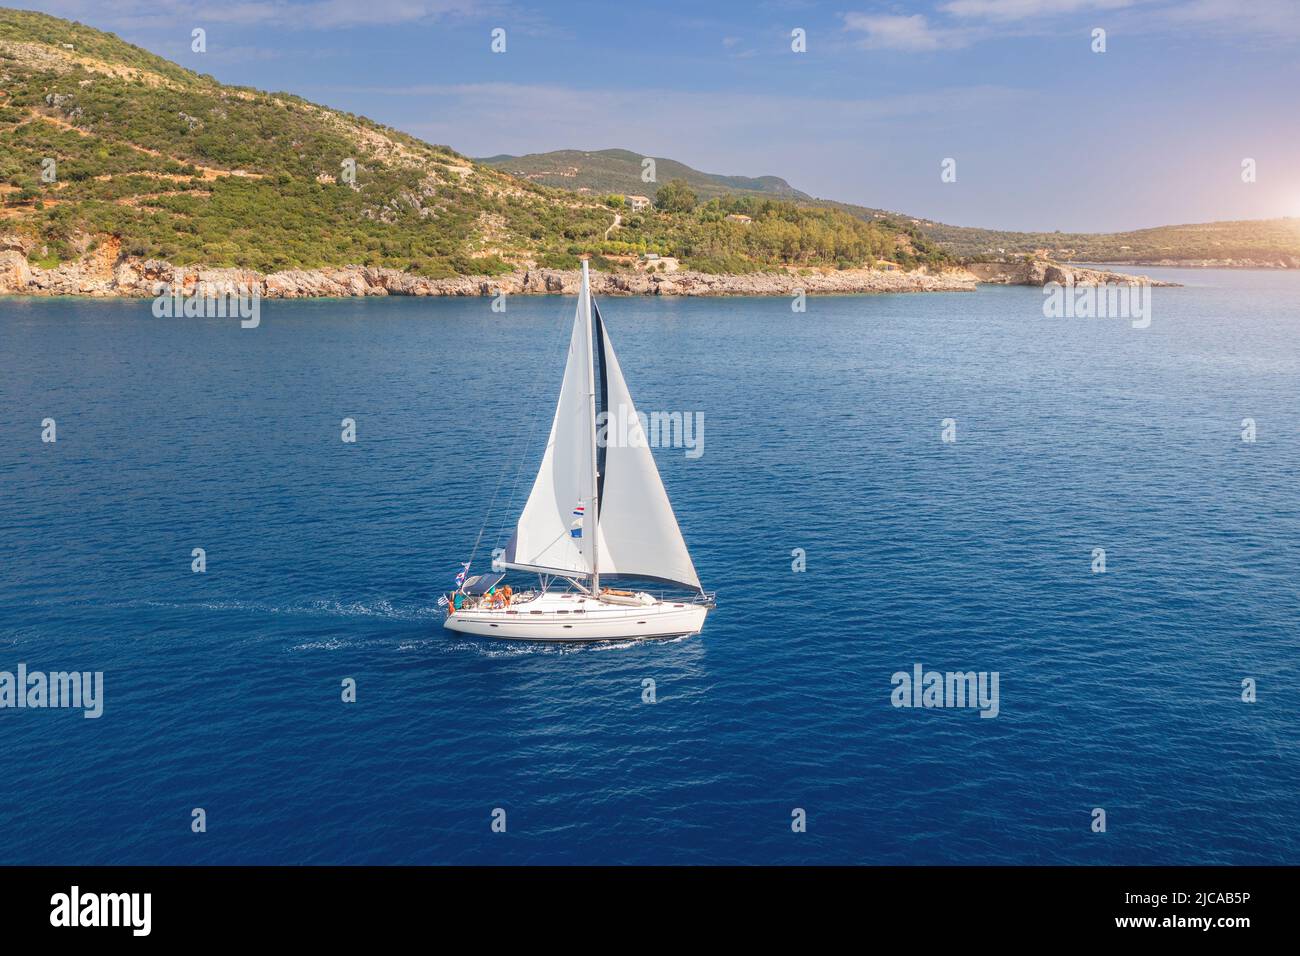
[{"x": 591, "y": 404}]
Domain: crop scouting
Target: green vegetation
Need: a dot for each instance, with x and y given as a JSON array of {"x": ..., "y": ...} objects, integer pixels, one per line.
[
  {"x": 676, "y": 196},
  {"x": 778, "y": 234},
  {"x": 24, "y": 26}
]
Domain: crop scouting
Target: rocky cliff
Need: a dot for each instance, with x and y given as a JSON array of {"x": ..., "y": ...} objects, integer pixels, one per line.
[{"x": 1041, "y": 272}]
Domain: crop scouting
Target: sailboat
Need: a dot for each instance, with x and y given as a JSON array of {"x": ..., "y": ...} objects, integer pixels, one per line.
[{"x": 597, "y": 512}]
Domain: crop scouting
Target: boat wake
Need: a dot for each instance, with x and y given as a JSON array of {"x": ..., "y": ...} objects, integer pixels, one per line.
[
  {"x": 382, "y": 609},
  {"x": 385, "y": 610}
]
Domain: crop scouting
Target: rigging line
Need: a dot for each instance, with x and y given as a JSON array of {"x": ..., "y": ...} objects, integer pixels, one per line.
[{"x": 487, "y": 517}]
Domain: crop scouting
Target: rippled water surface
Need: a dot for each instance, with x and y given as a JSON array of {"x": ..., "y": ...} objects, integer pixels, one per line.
[{"x": 1119, "y": 690}]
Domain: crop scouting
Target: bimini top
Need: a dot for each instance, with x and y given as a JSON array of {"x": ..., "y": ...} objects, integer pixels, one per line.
[{"x": 481, "y": 583}]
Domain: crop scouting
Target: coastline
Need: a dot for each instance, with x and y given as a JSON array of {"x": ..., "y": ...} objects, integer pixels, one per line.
[
  {"x": 105, "y": 273},
  {"x": 1261, "y": 265}
]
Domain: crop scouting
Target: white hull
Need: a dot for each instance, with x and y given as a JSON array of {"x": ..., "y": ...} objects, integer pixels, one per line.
[{"x": 576, "y": 617}]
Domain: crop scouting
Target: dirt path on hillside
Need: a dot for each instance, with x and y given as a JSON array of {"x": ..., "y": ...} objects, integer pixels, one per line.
[{"x": 209, "y": 173}]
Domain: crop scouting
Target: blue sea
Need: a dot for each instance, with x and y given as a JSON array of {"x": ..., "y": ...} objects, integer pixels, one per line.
[{"x": 1120, "y": 690}]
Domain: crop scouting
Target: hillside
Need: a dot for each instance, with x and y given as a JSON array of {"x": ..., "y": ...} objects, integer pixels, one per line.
[
  {"x": 1273, "y": 243},
  {"x": 620, "y": 171},
  {"x": 156, "y": 162}
]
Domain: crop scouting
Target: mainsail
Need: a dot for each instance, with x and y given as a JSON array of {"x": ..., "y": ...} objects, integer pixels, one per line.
[{"x": 627, "y": 527}]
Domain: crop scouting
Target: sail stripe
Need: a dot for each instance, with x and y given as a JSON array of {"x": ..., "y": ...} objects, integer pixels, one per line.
[{"x": 602, "y": 403}]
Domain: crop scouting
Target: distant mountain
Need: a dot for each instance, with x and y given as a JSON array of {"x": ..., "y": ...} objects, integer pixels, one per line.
[
  {"x": 620, "y": 170},
  {"x": 1265, "y": 242},
  {"x": 1261, "y": 243}
]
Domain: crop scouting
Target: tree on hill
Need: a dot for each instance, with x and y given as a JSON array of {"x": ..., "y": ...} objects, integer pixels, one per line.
[{"x": 676, "y": 196}]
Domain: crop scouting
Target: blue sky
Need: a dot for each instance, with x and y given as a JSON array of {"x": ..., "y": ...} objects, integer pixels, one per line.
[{"x": 1046, "y": 133}]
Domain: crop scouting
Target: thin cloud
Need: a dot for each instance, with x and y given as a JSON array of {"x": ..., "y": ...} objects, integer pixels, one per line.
[
  {"x": 1267, "y": 19},
  {"x": 719, "y": 127},
  {"x": 895, "y": 32},
  {"x": 1026, "y": 9},
  {"x": 1278, "y": 19},
  {"x": 961, "y": 23},
  {"x": 735, "y": 49}
]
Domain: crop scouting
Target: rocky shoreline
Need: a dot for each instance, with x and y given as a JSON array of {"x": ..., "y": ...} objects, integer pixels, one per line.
[
  {"x": 1040, "y": 272},
  {"x": 105, "y": 273}
]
